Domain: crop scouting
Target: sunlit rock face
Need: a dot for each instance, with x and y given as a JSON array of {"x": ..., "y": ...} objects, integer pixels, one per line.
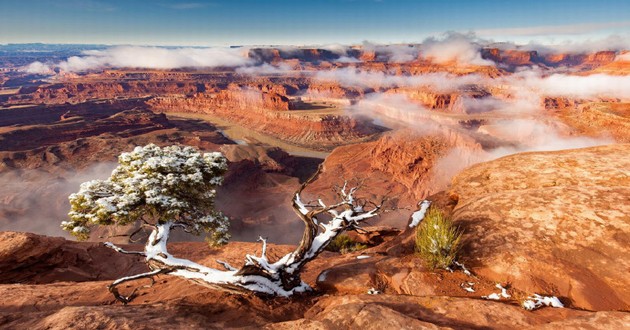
[{"x": 554, "y": 222}]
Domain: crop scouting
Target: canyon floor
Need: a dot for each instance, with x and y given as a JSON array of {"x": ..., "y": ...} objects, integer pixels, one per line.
[{"x": 537, "y": 177}]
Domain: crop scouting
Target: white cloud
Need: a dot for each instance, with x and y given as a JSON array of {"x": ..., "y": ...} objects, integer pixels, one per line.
[
  {"x": 265, "y": 69},
  {"x": 554, "y": 45},
  {"x": 392, "y": 53},
  {"x": 339, "y": 49},
  {"x": 353, "y": 77},
  {"x": 515, "y": 134},
  {"x": 564, "y": 85},
  {"x": 454, "y": 47},
  {"x": 614, "y": 43},
  {"x": 155, "y": 58},
  {"x": 38, "y": 68},
  {"x": 392, "y": 110}
]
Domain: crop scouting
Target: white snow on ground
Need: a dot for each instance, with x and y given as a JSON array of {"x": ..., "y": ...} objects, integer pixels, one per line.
[
  {"x": 504, "y": 293},
  {"x": 417, "y": 216},
  {"x": 322, "y": 276},
  {"x": 536, "y": 301},
  {"x": 468, "y": 286},
  {"x": 497, "y": 296},
  {"x": 493, "y": 296},
  {"x": 464, "y": 269},
  {"x": 373, "y": 291},
  {"x": 363, "y": 257}
]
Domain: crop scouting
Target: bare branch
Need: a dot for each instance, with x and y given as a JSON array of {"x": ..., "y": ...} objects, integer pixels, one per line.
[
  {"x": 118, "y": 249},
  {"x": 226, "y": 265},
  {"x": 264, "y": 247},
  {"x": 126, "y": 299}
]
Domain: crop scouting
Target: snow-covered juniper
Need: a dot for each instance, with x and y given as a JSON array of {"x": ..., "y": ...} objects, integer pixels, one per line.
[{"x": 162, "y": 189}]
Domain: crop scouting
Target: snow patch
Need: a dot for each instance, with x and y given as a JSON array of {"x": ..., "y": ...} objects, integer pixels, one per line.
[
  {"x": 498, "y": 296},
  {"x": 468, "y": 286},
  {"x": 493, "y": 296},
  {"x": 373, "y": 291},
  {"x": 418, "y": 216},
  {"x": 536, "y": 301},
  {"x": 463, "y": 268},
  {"x": 322, "y": 276}
]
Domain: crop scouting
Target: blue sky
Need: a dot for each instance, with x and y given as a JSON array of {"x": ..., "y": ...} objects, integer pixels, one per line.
[{"x": 236, "y": 22}]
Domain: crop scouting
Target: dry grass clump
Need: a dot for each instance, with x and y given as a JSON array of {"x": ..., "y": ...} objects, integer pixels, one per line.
[
  {"x": 437, "y": 239},
  {"x": 344, "y": 244}
]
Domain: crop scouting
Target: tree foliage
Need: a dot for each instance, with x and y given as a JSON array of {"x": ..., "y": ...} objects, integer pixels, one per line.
[{"x": 154, "y": 185}]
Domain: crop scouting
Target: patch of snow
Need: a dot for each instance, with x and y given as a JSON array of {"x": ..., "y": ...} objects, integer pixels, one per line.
[
  {"x": 536, "y": 301},
  {"x": 464, "y": 269},
  {"x": 504, "y": 293},
  {"x": 494, "y": 296},
  {"x": 373, "y": 291},
  {"x": 363, "y": 257},
  {"x": 468, "y": 286},
  {"x": 322, "y": 276},
  {"x": 418, "y": 216},
  {"x": 497, "y": 296}
]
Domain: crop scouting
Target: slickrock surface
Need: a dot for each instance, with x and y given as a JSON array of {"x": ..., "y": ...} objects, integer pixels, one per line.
[
  {"x": 551, "y": 222},
  {"x": 178, "y": 304}
]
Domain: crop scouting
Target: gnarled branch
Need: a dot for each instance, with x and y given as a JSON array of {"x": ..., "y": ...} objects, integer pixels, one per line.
[{"x": 258, "y": 274}]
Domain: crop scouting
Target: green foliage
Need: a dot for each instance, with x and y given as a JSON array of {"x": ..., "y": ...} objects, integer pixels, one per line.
[
  {"x": 155, "y": 185},
  {"x": 437, "y": 240},
  {"x": 344, "y": 244}
]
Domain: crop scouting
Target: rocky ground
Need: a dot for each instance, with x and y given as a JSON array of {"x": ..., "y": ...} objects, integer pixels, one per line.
[{"x": 517, "y": 234}]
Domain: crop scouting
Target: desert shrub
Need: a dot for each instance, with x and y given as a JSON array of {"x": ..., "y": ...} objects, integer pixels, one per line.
[
  {"x": 345, "y": 244},
  {"x": 437, "y": 239}
]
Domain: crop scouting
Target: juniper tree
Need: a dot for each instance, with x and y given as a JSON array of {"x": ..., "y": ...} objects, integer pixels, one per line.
[{"x": 174, "y": 187}]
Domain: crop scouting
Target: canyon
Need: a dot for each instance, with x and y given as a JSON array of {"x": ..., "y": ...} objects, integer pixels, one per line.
[{"x": 526, "y": 150}]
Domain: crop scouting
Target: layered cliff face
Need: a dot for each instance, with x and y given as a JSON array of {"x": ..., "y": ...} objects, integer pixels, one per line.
[
  {"x": 259, "y": 111},
  {"x": 80, "y": 92},
  {"x": 610, "y": 120},
  {"x": 515, "y": 58}
]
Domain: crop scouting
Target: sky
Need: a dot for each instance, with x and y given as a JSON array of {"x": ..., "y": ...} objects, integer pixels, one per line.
[{"x": 294, "y": 22}]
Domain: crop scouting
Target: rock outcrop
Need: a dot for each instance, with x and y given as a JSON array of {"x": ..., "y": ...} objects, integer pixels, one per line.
[
  {"x": 552, "y": 223},
  {"x": 405, "y": 164},
  {"x": 174, "y": 303},
  {"x": 30, "y": 258}
]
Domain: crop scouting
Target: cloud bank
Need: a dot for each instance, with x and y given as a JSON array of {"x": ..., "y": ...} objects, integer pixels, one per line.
[
  {"x": 353, "y": 77},
  {"x": 454, "y": 47},
  {"x": 148, "y": 57},
  {"x": 265, "y": 69},
  {"x": 568, "y": 46}
]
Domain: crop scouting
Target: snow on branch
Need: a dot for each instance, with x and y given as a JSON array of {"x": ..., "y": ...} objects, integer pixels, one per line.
[{"x": 118, "y": 249}]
